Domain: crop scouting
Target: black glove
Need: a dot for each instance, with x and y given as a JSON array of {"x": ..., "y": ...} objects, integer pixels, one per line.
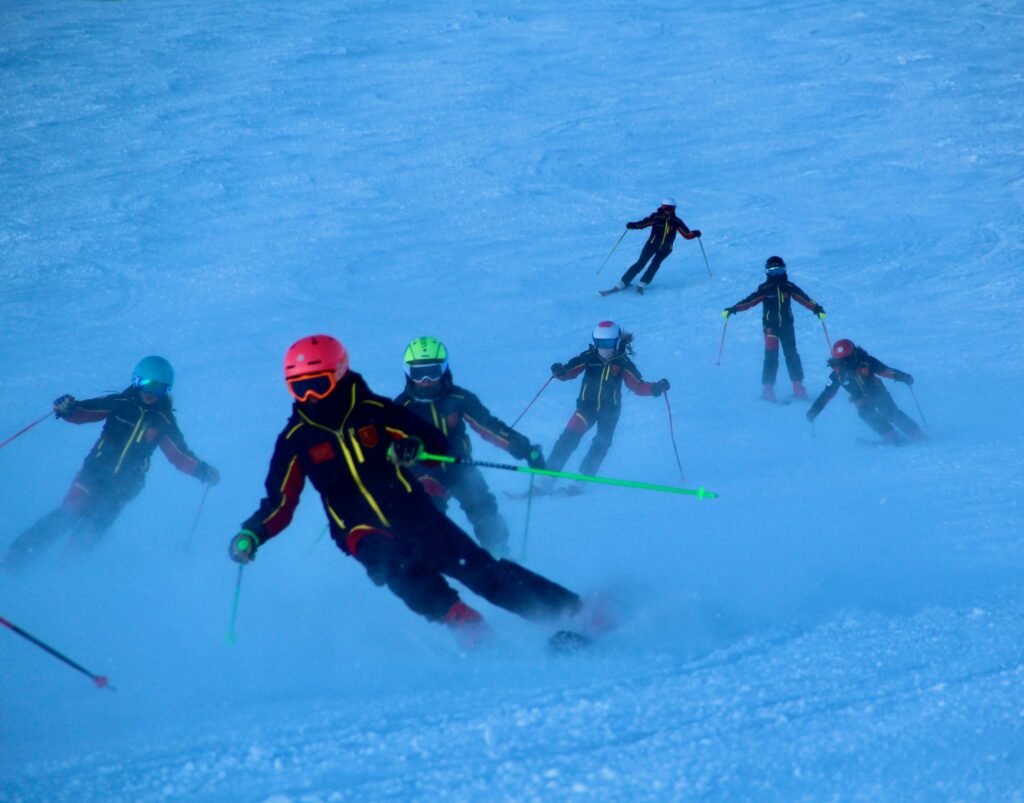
[
  {"x": 696, "y": 233},
  {"x": 660, "y": 387},
  {"x": 207, "y": 473},
  {"x": 812, "y": 414},
  {"x": 557, "y": 370},
  {"x": 518, "y": 447},
  {"x": 632, "y": 225},
  {"x": 404, "y": 452},
  {"x": 535, "y": 457},
  {"x": 905, "y": 378},
  {"x": 243, "y": 547},
  {"x": 63, "y": 405}
]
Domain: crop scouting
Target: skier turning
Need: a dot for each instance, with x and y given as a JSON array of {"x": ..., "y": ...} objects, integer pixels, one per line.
[
  {"x": 664, "y": 225},
  {"x": 431, "y": 394},
  {"x": 857, "y": 371},
  {"x": 356, "y": 448},
  {"x": 605, "y": 366},
  {"x": 776, "y": 293},
  {"x": 136, "y": 422}
]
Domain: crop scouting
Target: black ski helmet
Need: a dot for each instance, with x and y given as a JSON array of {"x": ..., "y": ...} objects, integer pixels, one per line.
[{"x": 776, "y": 263}]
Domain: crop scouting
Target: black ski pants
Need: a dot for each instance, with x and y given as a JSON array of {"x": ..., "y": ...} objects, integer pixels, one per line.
[
  {"x": 606, "y": 420},
  {"x": 880, "y": 413},
  {"x": 786, "y": 336},
  {"x": 90, "y": 507},
  {"x": 649, "y": 250},
  {"x": 414, "y": 556},
  {"x": 467, "y": 484}
]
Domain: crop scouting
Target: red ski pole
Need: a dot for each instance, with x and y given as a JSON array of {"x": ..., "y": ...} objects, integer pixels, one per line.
[
  {"x": 542, "y": 387},
  {"x": 672, "y": 435},
  {"x": 722, "y": 344},
  {"x": 100, "y": 681},
  {"x": 827, "y": 338},
  {"x": 26, "y": 429}
]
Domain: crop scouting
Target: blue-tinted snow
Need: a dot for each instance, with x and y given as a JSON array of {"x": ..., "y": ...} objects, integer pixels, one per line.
[{"x": 210, "y": 181}]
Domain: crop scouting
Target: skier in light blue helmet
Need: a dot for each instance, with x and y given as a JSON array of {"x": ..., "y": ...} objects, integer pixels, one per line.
[{"x": 136, "y": 421}]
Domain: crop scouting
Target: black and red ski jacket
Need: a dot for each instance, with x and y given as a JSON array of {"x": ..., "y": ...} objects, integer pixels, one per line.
[
  {"x": 777, "y": 293},
  {"x": 132, "y": 430},
  {"x": 602, "y": 379},
  {"x": 340, "y": 443},
  {"x": 859, "y": 375},
  {"x": 453, "y": 409},
  {"x": 664, "y": 225}
]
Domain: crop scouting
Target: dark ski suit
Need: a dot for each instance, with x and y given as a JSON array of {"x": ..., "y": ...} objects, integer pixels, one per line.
[
  {"x": 114, "y": 471},
  {"x": 380, "y": 515},
  {"x": 664, "y": 225},
  {"x": 859, "y": 373},
  {"x": 599, "y": 402},
  {"x": 450, "y": 411},
  {"x": 776, "y": 294}
]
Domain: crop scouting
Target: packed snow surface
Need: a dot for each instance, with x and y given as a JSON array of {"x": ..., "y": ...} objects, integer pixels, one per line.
[{"x": 211, "y": 181}]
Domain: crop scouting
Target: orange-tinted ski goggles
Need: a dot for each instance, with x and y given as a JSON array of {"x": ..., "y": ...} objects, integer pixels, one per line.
[{"x": 312, "y": 386}]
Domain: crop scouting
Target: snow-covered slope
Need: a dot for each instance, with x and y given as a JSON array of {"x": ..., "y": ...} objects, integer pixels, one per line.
[{"x": 211, "y": 181}]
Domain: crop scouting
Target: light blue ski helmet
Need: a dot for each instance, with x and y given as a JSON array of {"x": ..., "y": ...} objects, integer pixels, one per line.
[{"x": 153, "y": 375}]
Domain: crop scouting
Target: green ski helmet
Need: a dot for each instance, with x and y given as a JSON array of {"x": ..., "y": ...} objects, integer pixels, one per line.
[
  {"x": 153, "y": 375},
  {"x": 426, "y": 360}
]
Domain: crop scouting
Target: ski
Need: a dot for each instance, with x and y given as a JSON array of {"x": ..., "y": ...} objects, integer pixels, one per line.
[
  {"x": 569, "y": 642},
  {"x": 609, "y": 291}
]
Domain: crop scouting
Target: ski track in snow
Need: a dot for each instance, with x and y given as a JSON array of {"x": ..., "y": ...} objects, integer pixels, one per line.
[{"x": 212, "y": 181}]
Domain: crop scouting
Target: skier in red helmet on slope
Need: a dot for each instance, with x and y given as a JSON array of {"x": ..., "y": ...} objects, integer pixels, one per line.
[
  {"x": 857, "y": 371},
  {"x": 605, "y": 365},
  {"x": 356, "y": 448}
]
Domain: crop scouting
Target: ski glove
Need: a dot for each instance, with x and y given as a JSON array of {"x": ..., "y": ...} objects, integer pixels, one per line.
[
  {"x": 659, "y": 387},
  {"x": 812, "y": 414},
  {"x": 207, "y": 473},
  {"x": 632, "y": 225},
  {"x": 405, "y": 452},
  {"x": 558, "y": 370},
  {"x": 243, "y": 547},
  {"x": 904, "y": 377},
  {"x": 696, "y": 233},
  {"x": 820, "y": 312},
  {"x": 63, "y": 405}
]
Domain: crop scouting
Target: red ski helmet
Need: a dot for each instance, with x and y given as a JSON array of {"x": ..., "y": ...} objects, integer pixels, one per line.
[
  {"x": 315, "y": 354},
  {"x": 842, "y": 349}
]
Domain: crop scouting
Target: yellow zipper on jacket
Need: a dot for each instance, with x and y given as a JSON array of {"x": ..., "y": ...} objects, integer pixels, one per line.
[{"x": 131, "y": 440}]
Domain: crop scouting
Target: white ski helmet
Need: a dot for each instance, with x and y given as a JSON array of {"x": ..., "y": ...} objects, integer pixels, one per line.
[
  {"x": 668, "y": 200},
  {"x": 606, "y": 335}
]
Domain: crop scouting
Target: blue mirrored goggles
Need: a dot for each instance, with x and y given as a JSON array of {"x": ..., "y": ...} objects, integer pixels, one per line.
[
  {"x": 606, "y": 342},
  {"x": 151, "y": 387},
  {"x": 776, "y": 271}
]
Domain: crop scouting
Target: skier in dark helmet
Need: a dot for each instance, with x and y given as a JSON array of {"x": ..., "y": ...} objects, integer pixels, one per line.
[
  {"x": 664, "y": 226},
  {"x": 857, "y": 371},
  {"x": 776, "y": 293},
  {"x": 431, "y": 394},
  {"x": 356, "y": 448},
  {"x": 135, "y": 422},
  {"x": 605, "y": 366}
]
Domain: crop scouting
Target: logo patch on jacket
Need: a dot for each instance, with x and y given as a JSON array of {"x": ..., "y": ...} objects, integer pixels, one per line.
[
  {"x": 368, "y": 435},
  {"x": 616, "y": 370},
  {"x": 322, "y": 452},
  {"x": 453, "y": 420}
]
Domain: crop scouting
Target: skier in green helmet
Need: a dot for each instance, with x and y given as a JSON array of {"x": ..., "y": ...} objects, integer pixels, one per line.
[
  {"x": 431, "y": 394},
  {"x": 135, "y": 422}
]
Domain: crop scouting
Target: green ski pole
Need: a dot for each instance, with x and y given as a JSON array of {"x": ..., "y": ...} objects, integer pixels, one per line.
[{"x": 700, "y": 493}]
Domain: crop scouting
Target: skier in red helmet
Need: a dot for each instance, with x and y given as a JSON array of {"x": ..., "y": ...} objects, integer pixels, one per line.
[
  {"x": 605, "y": 366},
  {"x": 356, "y": 448},
  {"x": 776, "y": 293},
  {"x": 857, "y": 371},
  {"x": 664, "y": 225}
]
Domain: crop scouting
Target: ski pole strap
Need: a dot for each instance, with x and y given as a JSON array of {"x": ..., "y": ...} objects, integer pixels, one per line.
[{"x": 700, "y": 493}]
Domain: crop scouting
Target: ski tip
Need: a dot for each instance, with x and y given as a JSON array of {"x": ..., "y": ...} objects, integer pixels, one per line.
[{"x": 568, "y": 642}]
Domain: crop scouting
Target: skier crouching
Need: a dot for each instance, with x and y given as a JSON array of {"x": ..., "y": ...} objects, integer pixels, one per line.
[
  {"x": 431, "y": 394},
  {"x": 605, "y": 366},
  {"x": 136, "y": 422},
  {"x": 857, "y": 371},
  {"x": 356, "y": 448}
]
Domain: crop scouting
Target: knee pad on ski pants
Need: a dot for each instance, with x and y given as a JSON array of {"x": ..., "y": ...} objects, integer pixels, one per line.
[
  {"x": 375, "y": 548},
  {"x": 771, "y": 341},
  {"x": 578, "y": 424}
]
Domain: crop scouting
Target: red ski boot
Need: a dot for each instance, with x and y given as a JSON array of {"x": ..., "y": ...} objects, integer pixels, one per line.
[
  {"x": 799, "y": 391},
  {"x": 470, "y": 628},
  {"x": 768, "y": 393}
]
